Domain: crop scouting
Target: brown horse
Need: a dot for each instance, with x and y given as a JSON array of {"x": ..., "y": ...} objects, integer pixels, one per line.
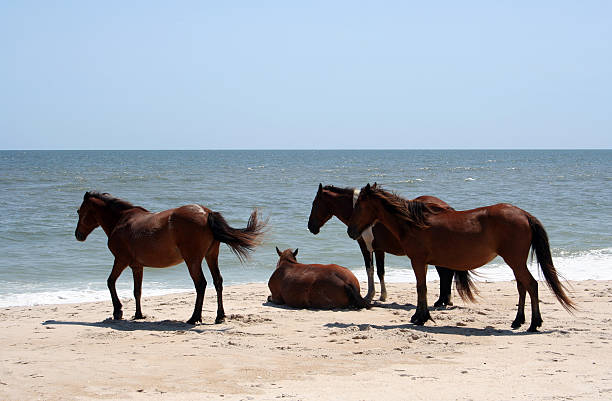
[
  {"x": 333, "y": 201},
  {"x": 313, "y": 286},
  {"x": 138, "y": 238},
  {"x": 462, "y": 240}
]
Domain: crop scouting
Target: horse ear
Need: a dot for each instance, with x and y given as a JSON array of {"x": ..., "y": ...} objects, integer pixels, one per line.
[
  {"x": 375, "y": 185},
  {"x": 367, "y": 187},
  {"x": 320, "y": 188},
  {"x": 278, "y": 251},
  {"x": 295, "y": 252}
]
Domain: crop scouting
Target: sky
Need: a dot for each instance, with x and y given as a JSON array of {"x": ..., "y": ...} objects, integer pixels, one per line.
[{"x": 305, "y": 75}]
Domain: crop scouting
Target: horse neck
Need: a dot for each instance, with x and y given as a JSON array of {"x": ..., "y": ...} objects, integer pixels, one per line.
[
  {"x": 342, "y": 206},
  {"x": 391, "y": 222},
  {"x": 107, "y": 218}
]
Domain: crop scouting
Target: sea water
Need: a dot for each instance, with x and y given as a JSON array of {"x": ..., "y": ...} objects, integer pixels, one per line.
[{"x": 40, "y": 191}]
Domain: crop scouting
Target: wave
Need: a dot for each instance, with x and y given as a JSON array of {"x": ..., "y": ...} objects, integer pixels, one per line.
[{"x": 575, "y": 266}]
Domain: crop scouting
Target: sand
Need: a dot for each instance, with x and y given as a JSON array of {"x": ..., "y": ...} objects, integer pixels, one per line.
[{"x": 267, "y": 352}]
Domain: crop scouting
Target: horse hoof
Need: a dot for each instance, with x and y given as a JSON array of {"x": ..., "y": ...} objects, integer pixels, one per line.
[
  {"x": 220, "y": 319},
  {"x": 438, "y": 303},
  {"x": 118, "y": 315},
  {"x": 194, "y": 321},
  {"x": 139, "y": 317},
  {"x": 515, "y": 325},
  {"x": 532, "y": 329}
]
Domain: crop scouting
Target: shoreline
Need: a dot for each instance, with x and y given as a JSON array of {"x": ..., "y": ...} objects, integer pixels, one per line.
[{"x": 264, "y": 351}]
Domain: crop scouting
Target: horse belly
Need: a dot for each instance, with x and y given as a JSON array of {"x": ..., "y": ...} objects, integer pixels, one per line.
[
  {"x": 157, "y": 253},
  {"x": 462, "y": 259}
]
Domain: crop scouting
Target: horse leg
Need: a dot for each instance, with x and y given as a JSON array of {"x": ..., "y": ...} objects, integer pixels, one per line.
[
  {"x": 520, "y": 314},
  {"x": 212, "y": 258},
  {"x": 380, "y": 270},
  {"x": 118, "y": 267},
  {"x": 523, "y": 275},
  {"x": 446, "y": 281},
  {"x": 369, "y": 264},
  {"x": 421, "y": 316},
  {"x": 195, "y": 271},
  {"x": 137, "y": 274}
]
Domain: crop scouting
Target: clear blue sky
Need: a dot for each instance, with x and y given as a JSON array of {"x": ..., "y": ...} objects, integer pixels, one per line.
[{"x": 312, "y": 74}]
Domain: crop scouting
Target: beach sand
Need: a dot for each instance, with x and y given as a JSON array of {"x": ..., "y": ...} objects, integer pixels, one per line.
[{"x": 267, "y": 352}]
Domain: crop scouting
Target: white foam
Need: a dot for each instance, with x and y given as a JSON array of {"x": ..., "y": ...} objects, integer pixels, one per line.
[
  {"x": 588, "y": 265},
  {"x": 76, "y": 296}
]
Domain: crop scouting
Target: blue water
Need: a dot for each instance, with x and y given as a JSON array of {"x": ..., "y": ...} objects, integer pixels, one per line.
[{"x": 40, "y": 191}]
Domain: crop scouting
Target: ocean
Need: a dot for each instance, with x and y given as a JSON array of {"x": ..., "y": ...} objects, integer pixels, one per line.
[{"x": 41, "y": 262}]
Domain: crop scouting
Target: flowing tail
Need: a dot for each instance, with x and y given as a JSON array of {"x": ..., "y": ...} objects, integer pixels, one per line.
[
  {"x": 242, "y": 241},
  {"x": 541, "y": 247},
  {"x": 466, "y": 288},
  {"x": 355, "y": 297}
]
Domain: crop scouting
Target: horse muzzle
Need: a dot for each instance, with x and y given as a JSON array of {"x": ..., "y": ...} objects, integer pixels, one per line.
[
  {"x": 353, "y": 233},
  {"x": 79, "y": 235},
  {"x": 313, "y": 229}
]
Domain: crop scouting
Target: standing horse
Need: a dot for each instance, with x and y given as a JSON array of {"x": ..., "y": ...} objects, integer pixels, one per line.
[
  {"x": 462, "y": 240},
  {"x": 138, "y": 238},
  {"x": 313, "y": 285},
  {"x": 333, "y": 201}
]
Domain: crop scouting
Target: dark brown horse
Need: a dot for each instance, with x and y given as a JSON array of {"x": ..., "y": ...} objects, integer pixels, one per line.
[
  {"x": 333, "y": 201},
  {"x": 462, "y": 240},
  {"x": 313, "y": 286},
  {"x": 138, "y": 238}
]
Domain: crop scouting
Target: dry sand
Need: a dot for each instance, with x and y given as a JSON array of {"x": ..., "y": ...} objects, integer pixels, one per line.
[{"x": 269, "y": 352}]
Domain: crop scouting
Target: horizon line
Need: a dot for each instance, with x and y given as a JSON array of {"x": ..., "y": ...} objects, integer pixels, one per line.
[{"x": 279, "y": 149}]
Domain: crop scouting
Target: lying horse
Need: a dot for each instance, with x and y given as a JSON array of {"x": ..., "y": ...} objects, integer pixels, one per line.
[
  {"x": 333, "y": 201},
  {"x": 138, "y": 238},
  {"x": 463, "y": 240},
  {"x": 313, "y": 286}
]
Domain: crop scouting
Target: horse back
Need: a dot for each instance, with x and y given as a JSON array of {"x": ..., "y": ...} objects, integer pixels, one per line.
[
  {"x": 154, "y": 239},
  {"x": 474, "y": 237},
  {"x": 433, "y": 202}
]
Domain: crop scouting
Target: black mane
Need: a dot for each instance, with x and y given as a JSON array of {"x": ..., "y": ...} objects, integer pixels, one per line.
[
  {"x": 115, "y": 204},
  {"x": 338, "y": 190},
  {"x": 409, "y": 211}
]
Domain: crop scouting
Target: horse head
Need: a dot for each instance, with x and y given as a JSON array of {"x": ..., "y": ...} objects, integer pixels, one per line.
[
  {"x": 364, "y": 213},
  {"x": 320, "y": 212},
  {"x": 87, "y": 219},
  {"x": 286, "y": 255}
]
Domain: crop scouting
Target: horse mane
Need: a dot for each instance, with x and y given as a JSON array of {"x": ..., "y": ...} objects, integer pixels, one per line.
[
  {"x": 412, "y": 212},
  {"x": 338, "y": 190},
  {"x": 115, "y": 204}
]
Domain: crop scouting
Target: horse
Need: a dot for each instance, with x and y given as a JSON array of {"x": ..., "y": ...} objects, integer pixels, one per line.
[
  {"x": 313, "y": 286},
  {"x": 139, "y": 238},
  {"x": 333, "y": 201},
  {"x": 463, "y": 240}
]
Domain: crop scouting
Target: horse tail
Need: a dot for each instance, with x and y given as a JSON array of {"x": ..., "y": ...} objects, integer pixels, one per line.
[
  {"x": 355, "y": 297},
  {"x": 466, "y": 288},
  {"x": 541, "y": 248},
  {"x": 242, "y": 241}
]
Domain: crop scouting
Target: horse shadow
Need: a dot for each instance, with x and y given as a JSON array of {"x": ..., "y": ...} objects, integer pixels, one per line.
[
  {"x": 457, "y": 330},
  {"x": 142, "y": 325}
]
